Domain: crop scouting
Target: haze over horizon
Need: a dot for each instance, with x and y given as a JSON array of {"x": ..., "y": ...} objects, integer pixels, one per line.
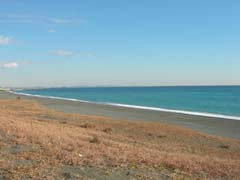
[{"x": 126, "y": 43}]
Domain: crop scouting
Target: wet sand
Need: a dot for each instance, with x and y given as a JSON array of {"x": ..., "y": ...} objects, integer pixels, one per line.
[{"x": 215, "y": 126}]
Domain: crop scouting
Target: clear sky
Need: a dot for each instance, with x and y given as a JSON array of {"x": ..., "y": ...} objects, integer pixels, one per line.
[{"x": 124, "y": 42}]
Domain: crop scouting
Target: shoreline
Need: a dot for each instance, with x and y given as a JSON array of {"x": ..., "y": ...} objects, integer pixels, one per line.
[
  {"x": 185, "y": 112},
  {"x": 211, "y": 125},
  {"x": 75, "y": 146}
]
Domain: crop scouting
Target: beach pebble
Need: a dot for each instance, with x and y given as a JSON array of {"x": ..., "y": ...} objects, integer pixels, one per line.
[{"x": 80, "y": 155}]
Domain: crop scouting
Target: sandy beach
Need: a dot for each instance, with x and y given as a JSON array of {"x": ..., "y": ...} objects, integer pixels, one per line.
[
  {"x": 38, "y": 142},
  {"x": 214, "y": 126}
]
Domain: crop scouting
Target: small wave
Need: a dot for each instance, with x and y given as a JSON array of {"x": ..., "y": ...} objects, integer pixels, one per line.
[{"x": 202, "y": 114}]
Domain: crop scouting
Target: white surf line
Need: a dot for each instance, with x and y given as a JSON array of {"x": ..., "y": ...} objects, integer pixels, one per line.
[{"x": 178, "y": 111}]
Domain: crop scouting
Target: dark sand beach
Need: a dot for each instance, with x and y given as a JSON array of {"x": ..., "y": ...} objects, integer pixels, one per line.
[{"x": 215, "y": 126}]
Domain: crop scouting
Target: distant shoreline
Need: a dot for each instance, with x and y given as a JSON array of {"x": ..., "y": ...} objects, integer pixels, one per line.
[
  {"x": 192, "y": 113},
  {"x": 211, "y": 125},
  {"x": 114, "y": 86}
]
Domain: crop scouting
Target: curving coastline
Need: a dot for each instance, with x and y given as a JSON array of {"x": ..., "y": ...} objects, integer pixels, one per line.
[
  {"x": 211, "y": 125},
  {"x": 203, "y": 114}
]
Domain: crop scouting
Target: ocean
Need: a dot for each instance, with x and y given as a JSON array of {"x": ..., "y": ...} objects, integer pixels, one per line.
[{"x": 213, "y": 101}]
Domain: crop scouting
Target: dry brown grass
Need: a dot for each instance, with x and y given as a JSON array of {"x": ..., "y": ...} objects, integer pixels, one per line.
[{"x": 89, "y": 140}]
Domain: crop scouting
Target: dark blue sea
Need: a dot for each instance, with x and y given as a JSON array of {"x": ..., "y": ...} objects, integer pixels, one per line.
[{"x": 219, "y": 101}]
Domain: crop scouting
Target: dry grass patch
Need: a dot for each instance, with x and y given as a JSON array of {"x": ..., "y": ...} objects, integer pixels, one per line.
[{"x": 96, "y": 141}]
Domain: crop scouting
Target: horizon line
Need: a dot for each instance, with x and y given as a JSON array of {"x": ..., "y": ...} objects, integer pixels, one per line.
[{"x": 106, "y": 86}]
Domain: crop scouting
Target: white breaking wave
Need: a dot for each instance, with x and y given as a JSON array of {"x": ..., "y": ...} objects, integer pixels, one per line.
[{"x": 202, "y": 114}]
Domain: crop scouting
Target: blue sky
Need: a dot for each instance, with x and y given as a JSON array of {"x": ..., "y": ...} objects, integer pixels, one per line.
[{"x": 127, "y": 42}]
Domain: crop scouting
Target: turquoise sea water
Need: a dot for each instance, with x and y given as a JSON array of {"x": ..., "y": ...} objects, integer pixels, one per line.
[{"x": 214, "y": 100}]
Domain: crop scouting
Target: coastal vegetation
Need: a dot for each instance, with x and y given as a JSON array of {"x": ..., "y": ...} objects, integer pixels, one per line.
[{"x": 39, "y": 143}]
